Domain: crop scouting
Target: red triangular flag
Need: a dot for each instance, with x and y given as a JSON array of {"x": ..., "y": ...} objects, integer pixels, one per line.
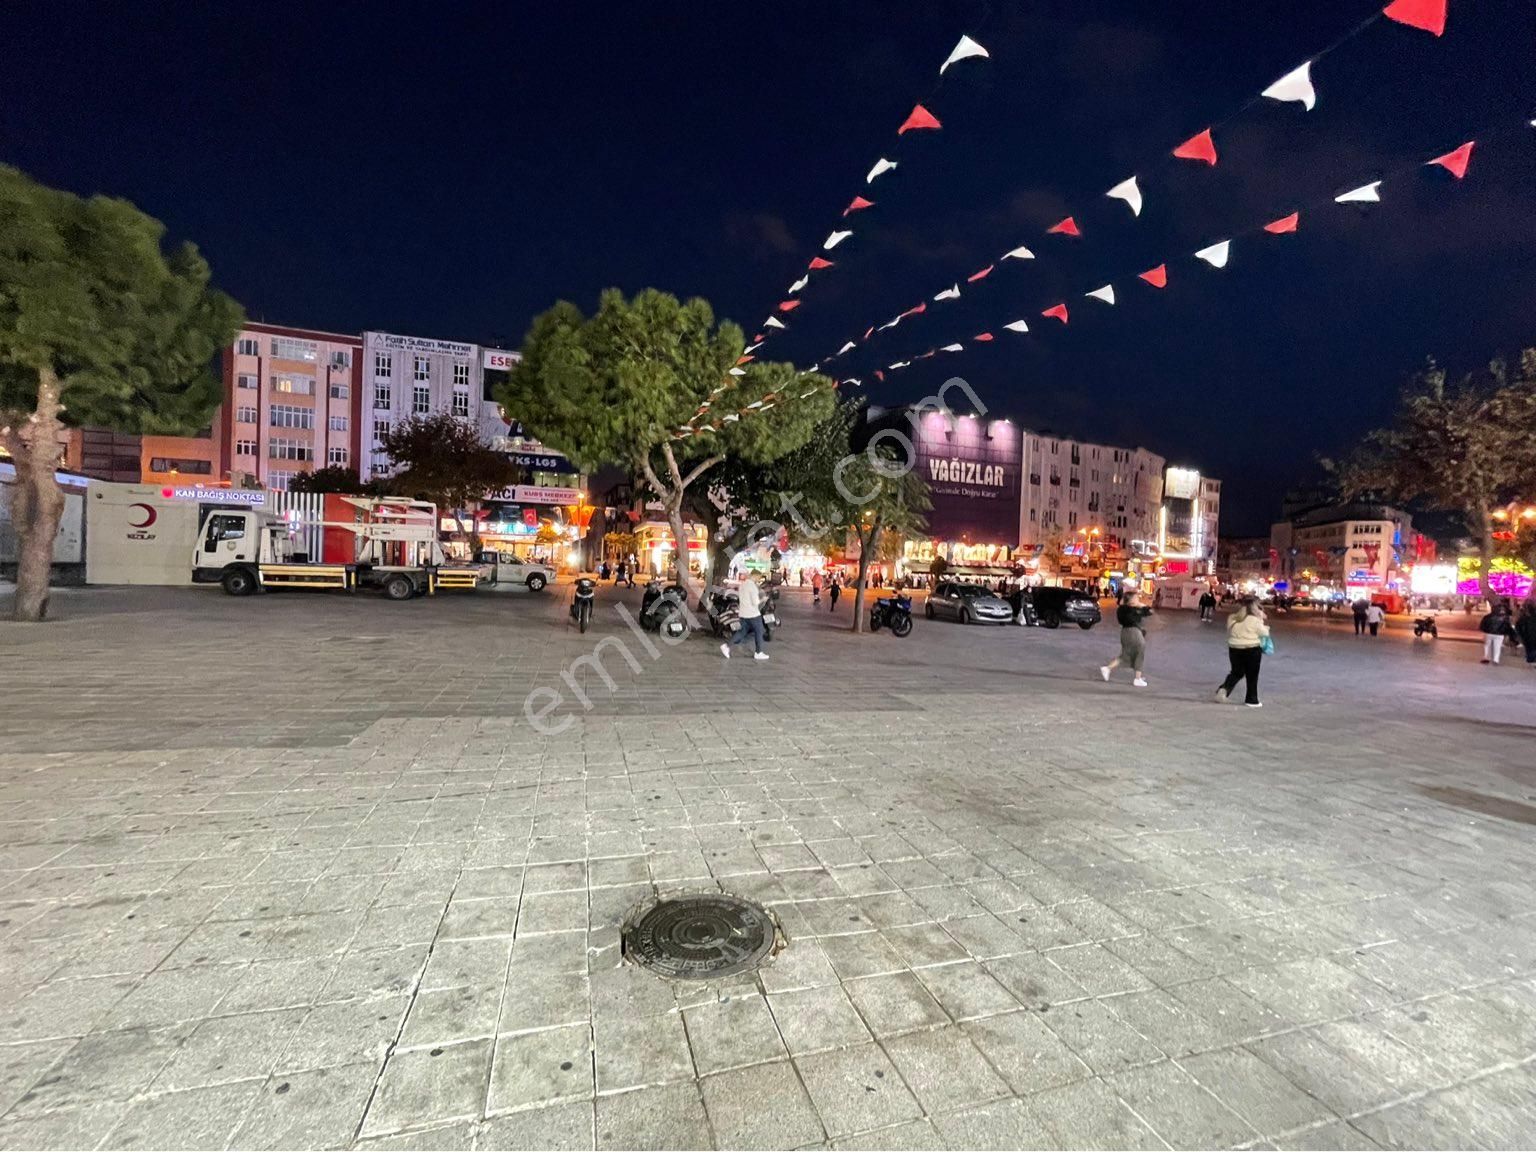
[
  {"x": 982, "y": 275},
  {"x": 983, "y": 337},
  {"x": 1067, "y": 227},
  {"x": 1426, "y": 14},
  {"x": 1456, "y": 162},
  {"x": 1157, "y": 277},
  {"x": 758, "y": 339},
  {"x": 925, "y": 355},
  {"x": 868, "y": 332},
  {"x": 1199, "y": 147},
  {"x": 879, "y": 375},
  {"x": 923, "y": 307},
  {"x": 745, "y": 359},
  {"x": 789, "y": 305},
  {"x": 1284, "y": 224},
  {"x": 818, "y": 262},
  {"x": 857, "y": 203},
  {"x": 1059, "y": 312},
  {"x": 920, "y": 118}
]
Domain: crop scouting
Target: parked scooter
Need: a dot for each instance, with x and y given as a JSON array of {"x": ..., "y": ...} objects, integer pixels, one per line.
[
  {"x": 720, "y": 604},
  {"x": 1426, "y": 626},
  {"x": 582, "y": 601},
  {"x": 663, "y": 609},
  {"x": 895, "y": 611}
]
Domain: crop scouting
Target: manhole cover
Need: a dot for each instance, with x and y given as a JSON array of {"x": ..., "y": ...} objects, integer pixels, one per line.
[{"x": 700, "y": 937}]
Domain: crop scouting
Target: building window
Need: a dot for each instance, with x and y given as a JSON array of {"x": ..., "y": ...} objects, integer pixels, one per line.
[
  {"x": 421, "y": 398},
  {"x": 245, "y": 381},
  {"x": 294, "y": 385},
  {"x": 381, "y": 397},
  {"x": 383, "y": 365},
  {"x": 423, "y": 368},
  {"x": 341, "y": 359},
  {"x": 246, "y": 415},
  {"x": 340, "y": 392},
  {"x": 245, "y": 447},
  {"x": 1031, "y": 515},
  {"x": 189, "y": 467},
  {"x": 279, "y": 449},
  {"x": 338, "y": 423},
  {"x": 336, "y": 456},
  {"x": 248, "y": 347},
  {"x": 290, "y": 416},
  {"x": 380, "y": 430},
  {"x": 278, "y": 481},
  {"x": 287, "y": 348},
  {"x": 461, "y": 375},
  {"x": 460, "y": 403}
]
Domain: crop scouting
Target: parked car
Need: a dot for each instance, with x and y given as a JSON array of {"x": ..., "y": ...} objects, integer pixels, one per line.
[
  {"x": 1054, "y": 607},
  {"x": 515, "y": 570},
  {"x": 967, "y": 603}
]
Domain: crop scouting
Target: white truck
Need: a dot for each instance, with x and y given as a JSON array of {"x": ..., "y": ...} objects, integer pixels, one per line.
[{"x": 390, "y": 545}]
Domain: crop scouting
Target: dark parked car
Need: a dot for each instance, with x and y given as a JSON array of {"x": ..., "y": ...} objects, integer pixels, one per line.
[
  {"x": 967, "y": 603},
  {"x": 1054, "y": 607}
]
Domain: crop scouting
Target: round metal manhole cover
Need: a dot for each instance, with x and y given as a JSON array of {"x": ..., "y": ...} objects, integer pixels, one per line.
[{"x": 700, "y": 937}]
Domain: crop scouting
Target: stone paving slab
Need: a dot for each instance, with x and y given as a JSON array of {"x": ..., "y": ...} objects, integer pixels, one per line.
[{"x": 341, "y": 893}]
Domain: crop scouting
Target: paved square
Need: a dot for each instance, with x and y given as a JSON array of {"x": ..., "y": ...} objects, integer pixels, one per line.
[{"x": 299, "y": 871}]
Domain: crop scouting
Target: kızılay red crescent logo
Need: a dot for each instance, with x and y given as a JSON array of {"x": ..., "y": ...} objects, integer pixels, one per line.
[{"x": 150, "y": 516}]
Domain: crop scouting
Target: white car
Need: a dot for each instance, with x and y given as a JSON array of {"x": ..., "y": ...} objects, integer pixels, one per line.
[{"x": 514, "y": 570}]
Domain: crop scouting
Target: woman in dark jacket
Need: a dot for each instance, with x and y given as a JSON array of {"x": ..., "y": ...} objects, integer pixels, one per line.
[
  {"x": 1131, "y": 617},
  {"x": 1525, "y": 628}
]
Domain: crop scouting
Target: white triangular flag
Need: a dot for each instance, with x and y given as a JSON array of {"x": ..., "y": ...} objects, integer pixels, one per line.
[
  {"x": 835, "y": 239},
  {"x": 881, "y": 167},
  {"x": 738, "y": 371},
  {"x": 773, "y": 322},
  {"x": 1107, "y": 293},
  {"x": 854, "y": 380},
  {"x": 1365, "y": 194},
  {"x": 750, "y": 347},
  {"x": 755, "y": 404},
  {"x": 1020, "y": 253},
  {"x": 1296, "y": 85},
  {"x": 848, "y": 347},
  {"x": 949, "y": 293},
  {"x": 898, "y": 364},
  {"x": 1128, "y": 191},
  {"x": 800, "y": 283},
  {"x": 1216, "y": 255},
  {"x": 1017, "y": 326},
  {"x": 889, "y": 324},
  {"x": 953, "y": 348},
  {"x": 963, "y": 51}
]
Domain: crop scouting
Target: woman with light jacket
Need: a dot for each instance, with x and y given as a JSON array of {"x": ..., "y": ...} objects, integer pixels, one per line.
[{"x": 1246, "y": 634}]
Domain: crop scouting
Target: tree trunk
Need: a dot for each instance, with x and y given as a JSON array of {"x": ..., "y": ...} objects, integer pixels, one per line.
[
  {"x": 680, "y": 541},
  {"x": 37, "y": 502},
  {"x": 1485, "y": 550},
  {"x": 866, "y": 550}
]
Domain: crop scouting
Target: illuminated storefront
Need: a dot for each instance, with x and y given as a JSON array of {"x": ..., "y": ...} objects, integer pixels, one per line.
[{"x": 1508, "y": 577}]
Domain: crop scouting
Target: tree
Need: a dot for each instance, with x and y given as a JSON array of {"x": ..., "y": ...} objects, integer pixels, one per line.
[
  {"x": 1466, "y": 448},
  {"x": 337, "y": 478},
  {"x": 878, "y": 499},
  {"x": 98, "y": 325},
  {"x": 622, "y": 385},
  {"x": 441, "y": 458}
]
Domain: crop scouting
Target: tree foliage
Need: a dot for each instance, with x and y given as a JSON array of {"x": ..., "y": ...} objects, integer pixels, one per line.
[
  {"x": 337, "y": 478},
  {"x": 618, "y": 387},
  {"x": 1467, "y": 448},
  {"x": 440, "y": 457},
  {"x": 99, "y": 325}
]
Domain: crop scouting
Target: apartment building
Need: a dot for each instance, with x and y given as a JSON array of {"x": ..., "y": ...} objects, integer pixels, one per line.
[
  {"x": 413, "y": 376},
  {"x": 1073, "y": 487}
]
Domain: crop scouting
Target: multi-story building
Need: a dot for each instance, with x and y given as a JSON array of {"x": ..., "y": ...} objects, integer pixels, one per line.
[
  {"x": 1077, "y": 489},
  {"x": 1358, "y": 549},
  {"x": 1189, "y": 517},
  {"x": 291, "y": 404},
  {"x": 409, "y": 376}
]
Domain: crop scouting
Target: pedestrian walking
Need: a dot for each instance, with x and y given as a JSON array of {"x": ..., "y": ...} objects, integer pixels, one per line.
[
  {"x": 834, "y": 592},
  {"x": 1131, "y": 617},
  {"x": 1247, "y": 637},
  {"x": 816, "y": 587},
  {"x": 1525, "y": 629},
  {"x": 1495, "y": 627},
  {"x": 1375, "y": 616},
  {"x": 1207, "y": 606},
  {"x": 749, "y": 619},
  {"x": 1358, "y": 610}
]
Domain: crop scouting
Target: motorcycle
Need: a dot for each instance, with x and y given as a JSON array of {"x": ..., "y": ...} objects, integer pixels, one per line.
[
  {"x": 582, "y": 601},
  {"x": 663, "y": 608},
  {"x": 1426, "y": 626},
  {"x": 720, "y": 604},
  {"x": 895, "y": 611}
]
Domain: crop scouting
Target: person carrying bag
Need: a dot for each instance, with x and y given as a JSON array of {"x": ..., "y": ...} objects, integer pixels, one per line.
[{"x": 1247, "y": 640}]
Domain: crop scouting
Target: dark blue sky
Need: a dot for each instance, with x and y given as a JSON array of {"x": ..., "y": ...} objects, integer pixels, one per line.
[{"x": 451, "y": 170}]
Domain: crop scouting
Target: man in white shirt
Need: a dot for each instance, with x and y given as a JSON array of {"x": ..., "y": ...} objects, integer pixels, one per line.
[
  {"x": 1375, "y": 616},
  {"x": 749, "y": 616}
]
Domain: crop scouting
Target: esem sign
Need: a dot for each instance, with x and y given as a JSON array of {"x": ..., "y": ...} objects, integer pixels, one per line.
[{"x": 498, "y": 359}]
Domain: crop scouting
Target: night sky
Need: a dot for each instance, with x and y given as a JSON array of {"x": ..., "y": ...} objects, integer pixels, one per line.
[{"x": 451, "y": 170}]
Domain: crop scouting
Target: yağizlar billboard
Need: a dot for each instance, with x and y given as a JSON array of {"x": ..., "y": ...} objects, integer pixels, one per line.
[{"x": 971, "y": 466}]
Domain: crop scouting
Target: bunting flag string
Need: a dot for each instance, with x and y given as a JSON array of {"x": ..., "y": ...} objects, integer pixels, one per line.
[
  {"x": 1296, "y": 86},
  {"x": 1218, "y": 254}
]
